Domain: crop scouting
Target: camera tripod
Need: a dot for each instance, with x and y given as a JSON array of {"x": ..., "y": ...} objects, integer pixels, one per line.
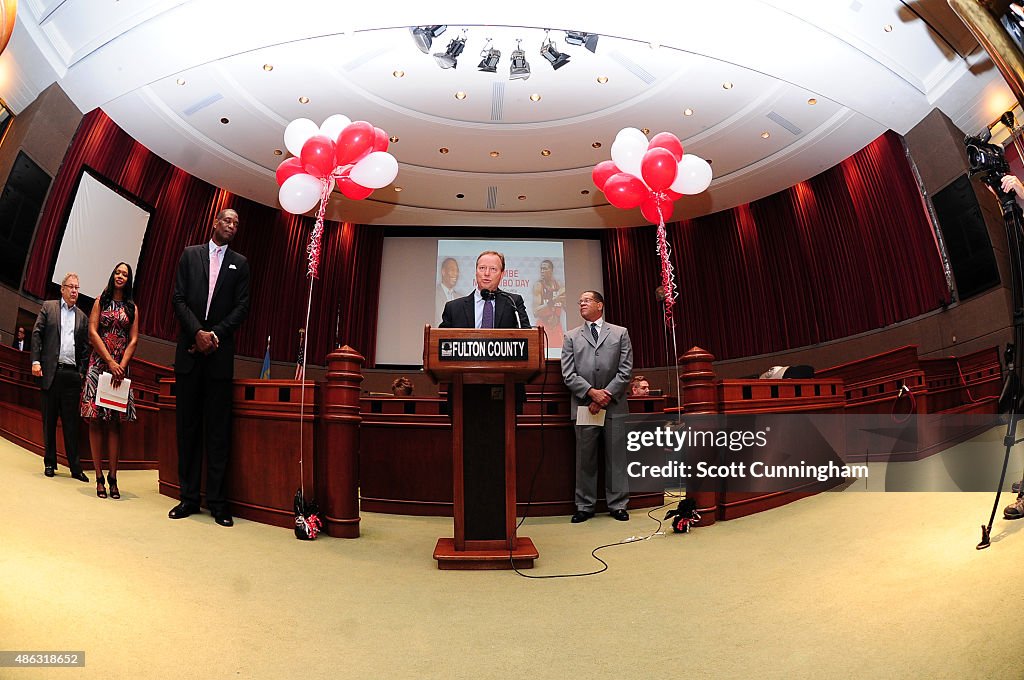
[{"x": 1011, "y": 395}]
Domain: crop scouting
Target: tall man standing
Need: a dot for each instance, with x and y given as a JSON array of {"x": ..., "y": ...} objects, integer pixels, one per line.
[
  {"x": 597, "y": 359},
  {"x": 211, "y": 299},
  {"x": 60, "y": 346},
  {"x": 487, "y": 306}
]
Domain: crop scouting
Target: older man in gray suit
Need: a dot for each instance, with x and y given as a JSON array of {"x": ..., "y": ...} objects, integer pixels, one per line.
[
  {"x": 60, "y": 345},
  {"x": 597, "y": 359}
]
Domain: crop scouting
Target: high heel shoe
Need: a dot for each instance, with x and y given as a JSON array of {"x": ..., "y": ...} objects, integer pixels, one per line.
[
  {"x": 114, "y": 493},
  {"x": 101, "y": 491}
]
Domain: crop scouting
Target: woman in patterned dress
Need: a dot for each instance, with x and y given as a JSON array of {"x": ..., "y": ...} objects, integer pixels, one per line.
[{"x": 113, "y": 332}]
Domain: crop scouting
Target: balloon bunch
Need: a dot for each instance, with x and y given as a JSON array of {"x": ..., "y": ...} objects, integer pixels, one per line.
[
  {"x": 652, "y": 176},
  {"x": 350, "y": 155}
]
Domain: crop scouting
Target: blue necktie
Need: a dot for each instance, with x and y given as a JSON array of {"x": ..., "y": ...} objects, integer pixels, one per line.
[
  {"x": 593, "y": 331},
  {"x": 488, "y": 319}
]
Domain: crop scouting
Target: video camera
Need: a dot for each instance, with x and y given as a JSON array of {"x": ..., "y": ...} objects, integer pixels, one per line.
[{"x": 987, "y": 160}]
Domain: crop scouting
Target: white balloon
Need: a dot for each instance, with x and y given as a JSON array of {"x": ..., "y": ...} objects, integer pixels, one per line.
[
  {"x": 300, "y": 193},
  {"x": 377, "y": 170},
  {"x": 628, "y": 153},
  {"x": 297, "y": 133},
  {"x": 632, "y": 133},
  {"x": 333, "y": 126},
  {"x": 693, "y": 175}
]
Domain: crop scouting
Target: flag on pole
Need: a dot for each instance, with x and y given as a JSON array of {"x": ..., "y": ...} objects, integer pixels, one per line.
[
  {"x": 300, "y": 359},
  {"x": 265, "y": 373}
]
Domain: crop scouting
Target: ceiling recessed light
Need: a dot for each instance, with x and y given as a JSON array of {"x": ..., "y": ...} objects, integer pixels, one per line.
[
  {"x": 596, "y": 145},
  {"x": 393, "y": 138},
  {"x": 602, "y": 79},
  {"x": 545, "y": 152},
  {"x": 443, "y": 149},
  {"x": 278, "y": 152},
  {"x": 521, "y": 197},
  {"x": 180, "y": 81},
  {"x": 585, "y": 192},
  {"x": 727, "y": 85},
  {"x": 646, "y": 131},
  {"x": 887, "y": 28},
  {"x": 225, "y": 121},
  {"x": 398, "y": 188},
  {"x": 812, "y": 101},
  {"x": 709, "y": 161},
  {"x": 268, "y": 67},
  {"x": 687, "y": 112},
  {"x": 534, "y": 97},
  {"x": 495, "y": 154},
  {"x": 398, "y": 74},
  {"x": 460, "y": 196},
  {"x": 303, "y": 100},
  {"x": 765, "y": 134},
  {"x": 460, "y": 95}
]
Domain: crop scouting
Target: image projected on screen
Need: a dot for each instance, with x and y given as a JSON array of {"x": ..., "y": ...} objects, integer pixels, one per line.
[
  {"x": 104, "y": 228},
  {"x": 533, "y": 269}
]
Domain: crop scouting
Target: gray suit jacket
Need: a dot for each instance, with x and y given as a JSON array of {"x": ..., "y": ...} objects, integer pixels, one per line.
[
  {"x": 605, "y": 364},
  {"x": 46, "y": 340}
]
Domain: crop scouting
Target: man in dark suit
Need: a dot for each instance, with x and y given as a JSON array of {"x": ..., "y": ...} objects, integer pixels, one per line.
[
  {"x": 20, "y": 342},
  {"x": 211, "y": 299},
  {"x": 487, "y": 306},
  {"x": 597, "y": 359},
  {"x": 60, "y": 345}
]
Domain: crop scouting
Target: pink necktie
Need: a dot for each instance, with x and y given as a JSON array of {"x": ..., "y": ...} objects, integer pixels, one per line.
[{"x": 214, "y": 272}]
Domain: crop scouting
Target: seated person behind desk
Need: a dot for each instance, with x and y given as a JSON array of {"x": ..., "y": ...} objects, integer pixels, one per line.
[
  {"x": 798, "y": 372},
  {"x": 639, "y": 387},
  {"x": 401, "y": 387}
]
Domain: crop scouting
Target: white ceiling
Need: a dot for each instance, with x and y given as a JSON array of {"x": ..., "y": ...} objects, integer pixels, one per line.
[{"x": 660, "y": 59}]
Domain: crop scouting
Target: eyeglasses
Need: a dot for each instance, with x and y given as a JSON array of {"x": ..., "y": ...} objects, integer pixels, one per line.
[
  {"x": 70, "y": 287},
  {"x": 587, "y": 301}
]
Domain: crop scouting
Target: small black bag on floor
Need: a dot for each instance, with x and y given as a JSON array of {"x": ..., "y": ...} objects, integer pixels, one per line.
[
  {"x": 309, "y": 521},
  {"x": 684, "y": 516}
]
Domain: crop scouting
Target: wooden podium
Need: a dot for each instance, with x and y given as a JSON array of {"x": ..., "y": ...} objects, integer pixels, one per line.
[{"x": 483, "y": 366}]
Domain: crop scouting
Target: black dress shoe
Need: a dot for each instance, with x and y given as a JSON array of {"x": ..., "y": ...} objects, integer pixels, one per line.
[
  {"x": 49, "y": 471},
  {"x": 581, "y": 516},
  {"x": 224, "y": 519},
  {"x": 80, "y": 476},
  {"x": 620, "y": 515},
  {"x": 182, "y": 510}
]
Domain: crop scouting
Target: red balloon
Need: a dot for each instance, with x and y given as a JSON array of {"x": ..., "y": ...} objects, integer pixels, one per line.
[
  {"x": 289, "y": 167},
  {"x": 602, "y": 171},
  {"x": 667, "y": 140},
  {"x": 625, "y": 191},
  {"x": 659, "y": 168},
  {"x": 672, "y": 195},
  {"x": 350, "y": 189},
  {"x": 318, "y": 156},
  {"x": 650, "y": 206},
  {"x": 380, "y": 140},
  {"x": 354, "y": 142}
]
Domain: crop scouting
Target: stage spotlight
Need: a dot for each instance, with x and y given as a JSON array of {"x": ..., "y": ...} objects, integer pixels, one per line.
[
  {"x": 554, "y": 57},
  {"x": 450, "y": 57},
  {"x": 520, "y": 68},
  {"x": 489, "y": 62},
  {"x": 424, "y": 36},
  {"x": 588, "y": 40}
]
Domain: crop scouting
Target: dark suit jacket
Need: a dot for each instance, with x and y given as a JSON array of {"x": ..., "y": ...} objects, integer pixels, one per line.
[
  {"x": 46, "y": 340},
  {"x": 459, "y": 313},
  {"x": 228, "y": 309}
]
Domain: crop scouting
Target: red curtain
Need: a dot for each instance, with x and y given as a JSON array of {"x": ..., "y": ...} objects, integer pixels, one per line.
[
  {"x": 273, "y": 241},
  {"x": 847, "y": 251}
]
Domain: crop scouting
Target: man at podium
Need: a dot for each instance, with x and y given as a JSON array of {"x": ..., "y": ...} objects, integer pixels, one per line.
[{"x": 487, "y": 306}]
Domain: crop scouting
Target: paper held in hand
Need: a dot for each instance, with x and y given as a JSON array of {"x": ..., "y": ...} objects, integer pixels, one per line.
[
  {"x": 108, "y": 397},
  {"x": 585, "y": 417}
]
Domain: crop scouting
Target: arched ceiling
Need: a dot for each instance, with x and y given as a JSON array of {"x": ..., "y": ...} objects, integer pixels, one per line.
[{"x": 811, "y": 83}]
